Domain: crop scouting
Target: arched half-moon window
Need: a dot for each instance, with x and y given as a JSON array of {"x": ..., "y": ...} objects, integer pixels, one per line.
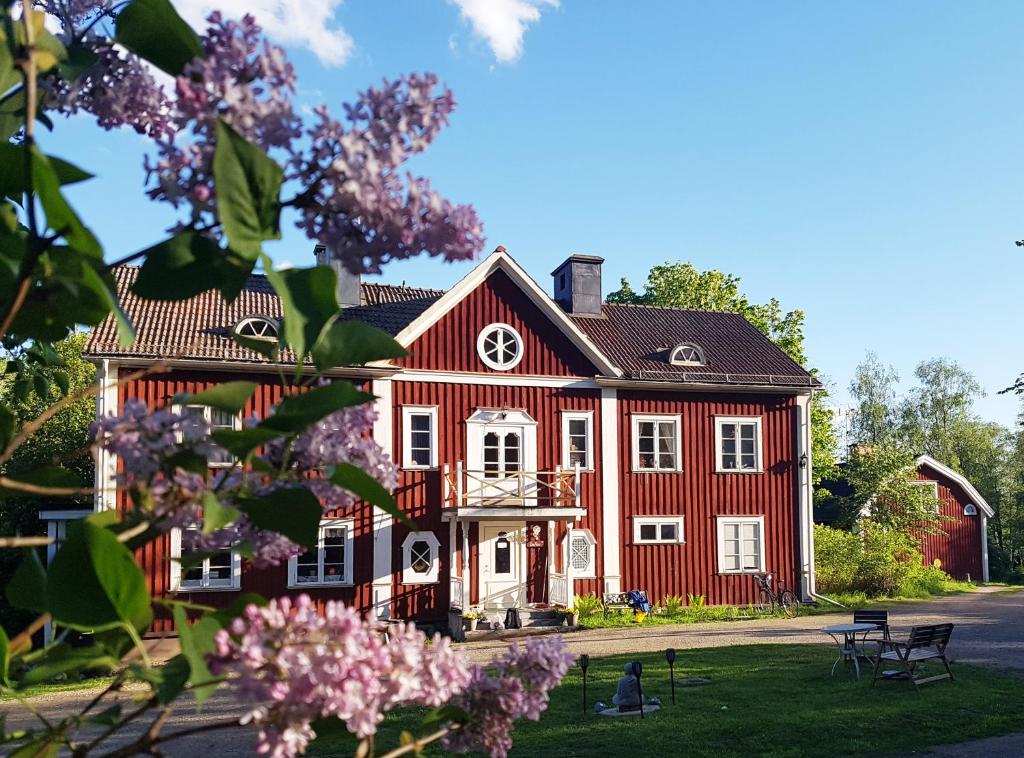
[
  {"x": 686, "y": 354},
  {"x": 970, "y": 510},
  {"x": 257, "y": 327}
]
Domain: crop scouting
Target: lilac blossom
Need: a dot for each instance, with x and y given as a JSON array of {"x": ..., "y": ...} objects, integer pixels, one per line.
[
  {"x": 292, "y": 666},
  {"x": 517, "y": 688}
]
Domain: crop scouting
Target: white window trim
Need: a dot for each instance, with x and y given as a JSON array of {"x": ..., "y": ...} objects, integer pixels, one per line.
[
  {"x": 722, "y": 420},
  {"x": 591, "y": 571},
  {"x": 346, "y": 580},
  {"x": 177, "y": 574},
  {"x": 639, "y": 521},
  {"x": 656, "y": 417},
  {"x": 682, "y": 361},
  {"x": 494, "y": 364},
  {"x": 56, "y": 522},
  {"x": 970, "y": 509},
  {"x": 408, "y": 411},
  {"x": 411, "y": 577},
  {"x": 274, "y": 324},
  {"x": 588, "y": 417},
  {"x": 178, "y": 408},
  {"x": 722, "y": 521}
]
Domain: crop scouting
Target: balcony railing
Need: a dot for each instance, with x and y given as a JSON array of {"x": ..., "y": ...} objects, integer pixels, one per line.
[
  {"x": 456, "y": 598},
  {"x": 516, "y": 489},
  {"x": 558, "y": 589}
]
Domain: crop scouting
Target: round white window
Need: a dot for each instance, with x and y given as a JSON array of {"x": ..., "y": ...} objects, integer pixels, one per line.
[{"x": 500, "y": 347}]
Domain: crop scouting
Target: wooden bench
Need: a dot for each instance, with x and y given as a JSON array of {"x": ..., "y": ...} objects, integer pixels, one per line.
[
  {"x": 620, "y": 601},
  {"x": 926, "y": 643}
]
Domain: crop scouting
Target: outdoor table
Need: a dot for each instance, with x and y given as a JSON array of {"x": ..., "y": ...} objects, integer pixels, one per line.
[{"x": 848, "y": 643}]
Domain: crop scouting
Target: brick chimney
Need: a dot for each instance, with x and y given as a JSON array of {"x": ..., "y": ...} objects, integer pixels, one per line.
[
  {"x": 348, "y": 289},
  {"x": 578, "y": 285}
]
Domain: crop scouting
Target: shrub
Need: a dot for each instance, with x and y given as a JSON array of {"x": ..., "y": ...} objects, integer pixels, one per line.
[
  {"x": 672, "y": 605},
  {"x": 587, "y": 605},
  {"x": 837, "y": 557}
]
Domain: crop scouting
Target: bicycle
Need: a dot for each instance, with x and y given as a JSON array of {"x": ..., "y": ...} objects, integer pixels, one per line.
[{"x": 771, "y": 600}]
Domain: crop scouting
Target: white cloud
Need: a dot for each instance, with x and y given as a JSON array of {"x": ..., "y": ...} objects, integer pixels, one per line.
[
  {"x": 306, "y": 23},
  {"x": 502, "y": 22}
]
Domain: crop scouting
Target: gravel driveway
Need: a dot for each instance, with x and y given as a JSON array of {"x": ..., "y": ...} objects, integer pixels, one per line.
[{"x": 989, "y": 632}]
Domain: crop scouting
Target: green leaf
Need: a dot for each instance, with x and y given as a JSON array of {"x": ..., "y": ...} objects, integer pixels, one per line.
[
  {"x": 94, "y": 581},
  {"x": 125, "y": 330},
  {"x": 216, "y": 515},
  {"x": 196, "y": 643},
  {"x": 63, "y": 382},
  {"x": 44, "y": 747},
  {"x": 107, "y": 717},
  {"x": 365, "y": 487},
  {"x": 189, "y": 460},
  {"x": 13, "y": 181},
  {"x": 348, "y": 343},
  {"x": 188, "y": 264},
  {"x": 248, "y": 186},
  {"x": 5, "y": 655},
  {"x": 292, "y": 511},
  {"x": 59, "y": 215},
  {"x": 8, "y": 425},
  {"x": 62, "y": 659},
  {"x": 230, "y": 397},
  {"x": 27, "y": 588},
  {"x": 309, "y": 300},
  {"x": 46, "y": 476},
  {"x": 153, "y": 30},
  {"x": 295, "y": 412},
  {"x": 241, "y": 442},
  {"x": 264, "y": 347},
  {"x": 173, "y": 678},
  {"x": 446, "y": 714}
]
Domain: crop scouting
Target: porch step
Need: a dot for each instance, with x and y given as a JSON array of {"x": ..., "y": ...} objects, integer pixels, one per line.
[{"x": 531, "y": 617}]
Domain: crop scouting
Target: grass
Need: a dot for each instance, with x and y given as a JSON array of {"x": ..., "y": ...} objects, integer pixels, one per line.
[
  {"x": 55, "y": 687},
  {"x": 766, "y": 700}
]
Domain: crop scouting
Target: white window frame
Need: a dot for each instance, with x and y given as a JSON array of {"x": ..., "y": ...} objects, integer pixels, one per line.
[
  {"x": 970, "y": 509},
  {"x": 658, "y": 521},
  {"x": 274, "y": 324},
  {"x": 588, "y": 418},
  {"x": 408, "y": 411},
  {"x": 516, "y": 337},
  {"x": 431, "y": 577},
  {"x": 656, "y": 418},
  {"x": 346, "y": 579},
  {"x": 591, "y": 570},
  {"x": 57, "y": 528},
  {"x": 721, "y": 421},
  {"x": 236, "y": 418},
  {"x": 675, "y": 360},
  {"x": 740, "y": 520},
  {"x": 177, "y": 575}
]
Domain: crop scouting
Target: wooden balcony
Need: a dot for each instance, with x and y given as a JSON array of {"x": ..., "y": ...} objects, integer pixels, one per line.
[{"x": 514, "y": 495}]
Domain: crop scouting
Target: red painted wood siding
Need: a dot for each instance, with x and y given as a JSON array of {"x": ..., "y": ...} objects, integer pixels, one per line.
[
  {"x": 700, "y": 494},
  {"x": 157, "y": 391},
  {"x": 958, "y": 548},
  {"x": 419, "y": 492},
  {"x": 450, "y": 344}
]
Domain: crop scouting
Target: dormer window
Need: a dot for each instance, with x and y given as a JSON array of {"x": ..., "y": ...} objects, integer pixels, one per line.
[
  {"x": 686, "y": 354},
  {"x": 257, "y": 327}
]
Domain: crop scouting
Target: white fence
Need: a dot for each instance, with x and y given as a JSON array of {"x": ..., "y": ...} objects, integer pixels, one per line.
[
  {"x": 455, "y": 593},
  {"x": 558, "y": 589}
]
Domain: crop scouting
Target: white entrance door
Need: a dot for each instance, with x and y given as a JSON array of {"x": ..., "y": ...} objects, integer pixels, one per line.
[{"x": 500, "y": 564}]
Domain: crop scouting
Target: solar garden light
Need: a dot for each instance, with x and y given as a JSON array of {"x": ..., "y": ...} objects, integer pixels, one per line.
[
  {"x": 670, "y": 656},
  {"x": 584, "y": 662},
  {"x": 637, "y": 670}
]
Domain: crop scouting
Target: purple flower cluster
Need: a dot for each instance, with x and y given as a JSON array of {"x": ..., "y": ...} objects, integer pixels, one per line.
[
  {"x": 293, "y": 665},
  {"x": 358, "y": 202},
  {"x": 243, "y": 79},
  {"x": 147, "y": 442},
  {"x": 516, "y": 688},
  {"x": 118, "y": 89}
]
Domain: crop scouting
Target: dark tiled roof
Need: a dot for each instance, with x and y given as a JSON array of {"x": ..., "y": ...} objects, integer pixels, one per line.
[
  {"x": 201, "y": 326},
  {"x": 638, "y": 338}
]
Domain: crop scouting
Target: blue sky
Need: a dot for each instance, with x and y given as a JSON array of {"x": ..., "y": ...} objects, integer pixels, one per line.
[{"x": 861, "y": 161}]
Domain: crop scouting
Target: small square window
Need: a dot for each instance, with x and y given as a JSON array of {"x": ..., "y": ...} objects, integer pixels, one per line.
[
  {"x": 577, "y": 440},
  {"x": 667, "y": 530},
  {"x": 330, "y": 561}
]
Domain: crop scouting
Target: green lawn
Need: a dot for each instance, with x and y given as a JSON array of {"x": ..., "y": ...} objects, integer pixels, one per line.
[{"x": 776, "y": 700}]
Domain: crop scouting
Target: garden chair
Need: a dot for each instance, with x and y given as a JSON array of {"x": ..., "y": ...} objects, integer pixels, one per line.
[
  {"x": 925, "y": 643},
  {"x": 881, "y": 620}
]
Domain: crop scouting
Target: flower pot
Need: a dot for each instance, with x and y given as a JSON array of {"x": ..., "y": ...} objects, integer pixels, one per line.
[
  {"x": 471, "y": 624},
  {"x": 574, "y": 619}
]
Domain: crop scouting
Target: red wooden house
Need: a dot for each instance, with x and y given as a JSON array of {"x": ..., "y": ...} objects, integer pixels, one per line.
[
  {"x": 549, "y": 444},
  {"x": 961, "y": 548}
]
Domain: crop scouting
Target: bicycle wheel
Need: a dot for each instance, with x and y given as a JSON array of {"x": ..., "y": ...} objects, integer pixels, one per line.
[
  {"x": 765, "y": 603},
  {"x": 789, "y": 604}
]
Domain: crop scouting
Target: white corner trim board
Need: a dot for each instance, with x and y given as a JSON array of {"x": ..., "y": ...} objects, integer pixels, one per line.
[
  {"x": 610, "y": 489},
  {"x": 383, "y": 523}
]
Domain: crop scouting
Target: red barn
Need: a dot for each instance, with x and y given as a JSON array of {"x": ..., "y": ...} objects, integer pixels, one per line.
[
  {"x": 548, "y": 444},
  {"x": 962, "y": 546}
]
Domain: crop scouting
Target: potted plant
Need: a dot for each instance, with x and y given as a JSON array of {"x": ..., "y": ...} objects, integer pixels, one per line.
[
  {"x": 471, "y": 618},
  {"x": 572, "y": 616}
]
